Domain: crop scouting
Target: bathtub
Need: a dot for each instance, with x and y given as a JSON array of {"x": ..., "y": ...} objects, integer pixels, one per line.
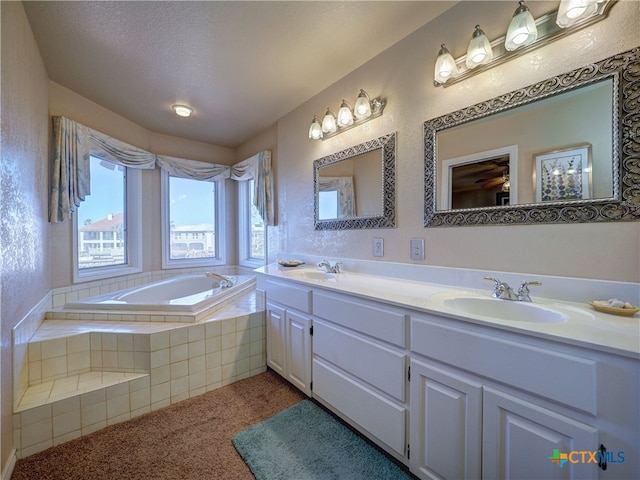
[{"x": 188, "y": 294}]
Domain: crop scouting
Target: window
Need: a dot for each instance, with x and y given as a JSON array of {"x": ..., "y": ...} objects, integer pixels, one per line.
[
  {"x": 106, "y": 227},
  {"x": 328, "y": 204},
  {"x": 252, "y": 232},
  {"x": 191, "y": 217}
]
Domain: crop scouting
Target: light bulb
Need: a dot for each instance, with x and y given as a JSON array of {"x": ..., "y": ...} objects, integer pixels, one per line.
[
  {"x": 363, "y": 106},
  {"x": 315, "y": 130},
  {"x": 329, "y": 123},
  {"x": 345, "y": 117},
  {"x": 182, "y": 110},
  {"x": 522, "y": 29},
  {"x": 446, "y": 67},
  {"x": 479, "y": 51}
]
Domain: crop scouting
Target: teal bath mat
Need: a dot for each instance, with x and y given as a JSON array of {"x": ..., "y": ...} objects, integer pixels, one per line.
[{"x": 305, "y": 442}]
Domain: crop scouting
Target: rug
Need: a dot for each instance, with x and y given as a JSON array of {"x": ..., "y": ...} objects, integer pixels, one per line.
[{"x": 304, "y": 442}]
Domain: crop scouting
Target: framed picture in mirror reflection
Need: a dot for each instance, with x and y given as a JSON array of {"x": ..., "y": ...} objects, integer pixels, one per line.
[{"x": 563, "y": 175}]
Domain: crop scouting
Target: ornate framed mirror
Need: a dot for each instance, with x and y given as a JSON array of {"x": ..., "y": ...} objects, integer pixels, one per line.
[
  {"x": 576, "y": 140},
  {"x": 356, "y": 188}
]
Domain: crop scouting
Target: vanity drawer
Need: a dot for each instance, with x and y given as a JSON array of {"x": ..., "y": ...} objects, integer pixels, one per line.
[
  {"x": 290, "y": 295},
  {"x": 381, "y": 323},
  {"x": 556, "y": 375},
  {"x": 375, "y": 364}
]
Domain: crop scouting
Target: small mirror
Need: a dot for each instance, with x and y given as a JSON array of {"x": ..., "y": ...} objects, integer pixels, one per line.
[
  {"x": 355, "y": 188},
  {"x": 551, "y": 152}
]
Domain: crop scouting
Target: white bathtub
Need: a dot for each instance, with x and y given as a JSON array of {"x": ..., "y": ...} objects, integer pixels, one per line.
[{"x": 183, "y": 293}]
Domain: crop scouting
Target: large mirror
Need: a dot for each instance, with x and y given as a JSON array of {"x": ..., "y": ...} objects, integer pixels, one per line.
[
  {"x": 563, "y": 150},
  {"x": 355, "y": 188}
]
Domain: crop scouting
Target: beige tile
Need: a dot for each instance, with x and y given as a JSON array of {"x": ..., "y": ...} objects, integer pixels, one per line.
[
  {"x": 35, "y": 351},
  {"x": 78, "y": 362},
  {"x": 197, "y": 381},
  {"x": 93, "y": 414},
  {"x": 54, "y": 348},
  {"x": 125, "y": 361},
  {"x": 94, "y": 427},
  {"x": 197, "y": 348},
  {"x": 179, "y": 369},
  {"x": 66, "y": 423},
  {"x": 140, "y": 399},
  {"x": 228, "y": 340},
  {"x": 66, "y": 406},
  {"x": 160, "y": 393},
  {"x": 118, "y": 406},
  {"x": 78, "y": 343},
  {"x": 92, "y": 398},
  {"x": 67, "y": 437},
  {"x": 179, "y": 353},
  {"x": 159, "y": 341},
  {"x": 119, "y": 418},
  {"x": 212, "y": 329},
  {"x": 55, "y": 367},
  {"x": 110, "y": 342},
  {"x": 179, "y": 387},
  {"x": 26, "y": 451},
  {"x": 213, "y": 344},
  {"x": 109, "y": 359},
  {"x": 160, "y": 374},
  {"x": 213, "y": 360},
  {"x": 125, "y": 342},
  {"x": 141, "y": 343},
  {"x": 229, "y": 356},
  {"x": 116, "y": 391},
  {"x": 160, "y": 358},
  {"x": 96, "y": 341},
  {"x": 179, "y": 336},
  {"x": 228, "y": 326},
  {"x": 35, "y": 433},
  {"x": 141, "y": 361}
]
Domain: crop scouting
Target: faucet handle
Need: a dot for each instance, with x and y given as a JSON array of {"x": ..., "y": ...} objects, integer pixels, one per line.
[
  {"x": 496, "y": 287},
  {"x": 523, "y": 291},
  {"x": 491, "y": 279},
  {"x": 338, "y": 267}
]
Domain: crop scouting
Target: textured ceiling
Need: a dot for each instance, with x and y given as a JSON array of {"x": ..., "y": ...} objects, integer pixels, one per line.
[{"x": 240, "y": 65}]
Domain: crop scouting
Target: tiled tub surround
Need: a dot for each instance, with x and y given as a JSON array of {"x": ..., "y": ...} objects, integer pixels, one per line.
[{"x": 83, "y": 375}]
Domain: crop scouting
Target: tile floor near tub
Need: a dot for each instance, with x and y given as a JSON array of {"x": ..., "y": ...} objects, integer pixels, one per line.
[{"x": 84, "y": 376}]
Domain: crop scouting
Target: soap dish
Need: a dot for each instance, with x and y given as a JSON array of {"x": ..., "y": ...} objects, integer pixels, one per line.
[
  {"x": 290, "y": 263},
  {"x": 627, "y": 312}
]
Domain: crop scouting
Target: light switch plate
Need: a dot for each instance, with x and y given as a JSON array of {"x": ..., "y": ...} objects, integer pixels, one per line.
[
  {"x": 417, "y": 248},
  {"x": 378, "y": 247}
]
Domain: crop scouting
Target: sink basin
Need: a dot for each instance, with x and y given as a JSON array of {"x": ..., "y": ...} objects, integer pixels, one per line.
[
  {"x": 310, "y": 275},
  {"x": 504, "y": 309}
]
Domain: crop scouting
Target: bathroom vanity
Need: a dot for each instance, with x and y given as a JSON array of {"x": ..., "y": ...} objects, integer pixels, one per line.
[{"x": 455, "y": 394}]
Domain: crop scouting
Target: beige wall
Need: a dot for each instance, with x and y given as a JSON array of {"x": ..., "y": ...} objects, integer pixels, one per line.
[
  {"x": 404, "y": 75},
  {"x": 23, "y": 223}
]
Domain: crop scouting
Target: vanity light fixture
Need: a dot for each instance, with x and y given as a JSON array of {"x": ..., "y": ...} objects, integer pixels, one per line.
[
  {"x": 479, "y": 51},
  {"x": 445, "y": 66},
  {"x": 182, "y": 110},
  {"x": 522, "y": 30},
  {"x": 572, "y": 11},
  {"x": 365, "y": 109},
  {"x": 523, "y": 35}
]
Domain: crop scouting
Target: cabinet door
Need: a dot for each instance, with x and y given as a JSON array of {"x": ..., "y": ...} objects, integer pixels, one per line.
[
  {"x": 276, "y": 339},
  {"x": 520, "y": 439},
  {"x": 446, "y": 423},
  {"x": 298, "y": 351}
]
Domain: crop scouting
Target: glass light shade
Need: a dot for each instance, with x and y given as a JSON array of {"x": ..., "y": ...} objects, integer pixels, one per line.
[
  {"x": 329, "y": 124},
  {"x": 315, "y": 130},
  {"x": 572, "y": 11},
  {"x": 446, "y": 67},
  {"x": 522, "y": 30},
  {"x": 345, "y": 117},
  {"x": 363, "y": 106},
  {"x": 182, "y": 110},
  {"x": 479, "y": 51}
]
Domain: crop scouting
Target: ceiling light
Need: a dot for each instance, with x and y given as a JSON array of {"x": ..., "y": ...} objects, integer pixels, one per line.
[
  {"x": 479, "y": 51},
  {"x": 182, "y": 110},
  {"x": 522, "y": 29},
  {"x": 365, "y": 109}
]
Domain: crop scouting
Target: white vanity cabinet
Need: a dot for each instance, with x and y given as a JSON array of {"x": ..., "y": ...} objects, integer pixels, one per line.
[
  {"x": 490, "y": 404},
  {"x": 289, "y": 333},
  {"x": 360, "y": 366}
]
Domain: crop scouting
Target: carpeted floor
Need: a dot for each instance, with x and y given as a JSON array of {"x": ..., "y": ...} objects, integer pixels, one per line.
[{"x": 189, "y": 440}]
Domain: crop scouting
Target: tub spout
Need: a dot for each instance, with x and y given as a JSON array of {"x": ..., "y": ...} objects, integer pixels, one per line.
[{"x": 223, "y": 282}]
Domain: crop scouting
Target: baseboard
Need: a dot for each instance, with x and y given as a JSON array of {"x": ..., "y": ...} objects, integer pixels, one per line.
[{"x": 11, "y": 463}]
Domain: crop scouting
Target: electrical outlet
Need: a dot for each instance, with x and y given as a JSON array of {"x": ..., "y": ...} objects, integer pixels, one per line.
[
  {"x": 378, "y": 247},
  {"x": 417, "y": 248}
]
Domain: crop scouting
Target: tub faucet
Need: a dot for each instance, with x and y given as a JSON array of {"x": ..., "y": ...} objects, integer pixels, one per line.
[
  {"x": 223, "y": 282},
  {"x": 328, "y": 268}
]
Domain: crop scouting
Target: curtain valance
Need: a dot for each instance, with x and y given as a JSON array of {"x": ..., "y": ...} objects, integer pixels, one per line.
[
  {"x": 116, "y": 151},
  {"x": 184, "y": 168},
  {"x": 258, "y": 168}
]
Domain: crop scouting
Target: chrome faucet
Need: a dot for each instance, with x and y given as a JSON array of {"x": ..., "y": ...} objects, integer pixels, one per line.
[
  {"x": 223, "y": 282},
  {"x": 328, "y": 268},
  {"x": 503, "y": 291}
]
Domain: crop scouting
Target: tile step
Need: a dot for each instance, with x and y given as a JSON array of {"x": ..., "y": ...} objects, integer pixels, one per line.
[{"x": 71, "y": 386}]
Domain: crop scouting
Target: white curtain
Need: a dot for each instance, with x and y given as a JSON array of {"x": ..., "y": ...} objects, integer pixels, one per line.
[
  {"x": 74, "y": 143},
  {"x": 344, "y": 187},
  {"x": 258, "y": 168},
  {"x": 183, "y": 168}
]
